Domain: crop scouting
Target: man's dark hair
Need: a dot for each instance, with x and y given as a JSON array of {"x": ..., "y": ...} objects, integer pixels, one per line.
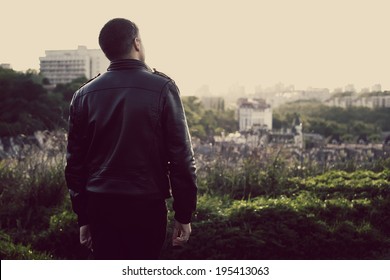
[{"x": 117, "y": 37}]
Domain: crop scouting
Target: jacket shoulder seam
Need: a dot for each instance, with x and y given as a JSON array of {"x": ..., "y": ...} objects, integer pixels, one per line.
[
  {"x": 90, "y": 80},
  {"x": 161, "y": 74}
]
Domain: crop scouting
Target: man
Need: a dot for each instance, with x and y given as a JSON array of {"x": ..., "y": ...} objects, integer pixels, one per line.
[{"x": 128, "y": 150}]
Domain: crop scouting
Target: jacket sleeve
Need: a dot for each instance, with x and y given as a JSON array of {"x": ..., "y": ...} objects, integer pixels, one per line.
[
  {"x": 182, "y": 169},
  {"x": 75, "y": 171}
]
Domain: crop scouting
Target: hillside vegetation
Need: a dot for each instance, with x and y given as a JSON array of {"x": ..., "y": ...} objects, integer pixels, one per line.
[{"x": 256, "y": 209}]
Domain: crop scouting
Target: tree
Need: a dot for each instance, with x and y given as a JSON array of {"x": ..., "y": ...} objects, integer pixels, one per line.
[
  {"x": 67, "y": 90},
  {"x": 193, "y": 110},
  {"x": 347, "y": 124},
  {"x": 205, "y": 124},
  {"x": 25, "y": 105}
]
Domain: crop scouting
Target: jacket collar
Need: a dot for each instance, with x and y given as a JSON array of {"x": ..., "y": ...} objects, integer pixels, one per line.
[{"x": 125, "y": 64}]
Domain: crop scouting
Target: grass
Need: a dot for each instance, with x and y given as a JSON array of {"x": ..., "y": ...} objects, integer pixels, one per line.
[{"x": 256, "y": 207}]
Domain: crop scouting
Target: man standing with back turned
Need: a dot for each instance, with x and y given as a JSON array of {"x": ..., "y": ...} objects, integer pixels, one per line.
[{"x": 128, "y": 150}]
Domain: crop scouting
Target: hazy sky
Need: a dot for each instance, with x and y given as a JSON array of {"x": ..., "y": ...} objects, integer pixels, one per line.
[{"x": 302, "y": 42}]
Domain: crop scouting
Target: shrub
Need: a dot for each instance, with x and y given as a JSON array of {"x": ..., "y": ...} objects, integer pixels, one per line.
[
  {"x": 62, "y": 237},
  {"x": 11, "y": 251},
  {"x": 30, "y": 190},
  {"x": 248, "y": 178},
  {"x": 258, "y": 207},
  {"x": 301, "y": 227}
]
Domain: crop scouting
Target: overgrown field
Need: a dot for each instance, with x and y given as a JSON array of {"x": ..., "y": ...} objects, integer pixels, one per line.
[{"x": 255, "y": 208}]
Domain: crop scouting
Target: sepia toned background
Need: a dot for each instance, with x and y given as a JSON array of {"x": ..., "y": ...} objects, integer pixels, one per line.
[{"x": 323, "y": 44}]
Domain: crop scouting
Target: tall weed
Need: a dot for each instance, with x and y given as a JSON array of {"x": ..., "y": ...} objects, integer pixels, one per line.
[{"x": 31, "y": 187}]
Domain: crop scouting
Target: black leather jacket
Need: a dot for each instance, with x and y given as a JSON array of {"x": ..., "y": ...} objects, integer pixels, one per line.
[{"x": 128, "y": 135}]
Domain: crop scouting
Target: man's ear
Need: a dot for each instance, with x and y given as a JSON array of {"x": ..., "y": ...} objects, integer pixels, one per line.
[{"x": 137, "y": 44}]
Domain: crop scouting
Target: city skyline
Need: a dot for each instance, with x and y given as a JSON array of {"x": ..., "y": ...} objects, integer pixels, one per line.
[{"x": 320, "y": 44}]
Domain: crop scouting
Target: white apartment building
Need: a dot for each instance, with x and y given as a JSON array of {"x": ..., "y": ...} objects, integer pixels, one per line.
[
  {"x": 5, "y": 65},
  {"x": 341, "y": 101},
  {"x": 375, "y": 101},
  {"x": 366, "y": 100},
  {"x": 253, "y": 114},
  {"x": 63, "y": 66}
]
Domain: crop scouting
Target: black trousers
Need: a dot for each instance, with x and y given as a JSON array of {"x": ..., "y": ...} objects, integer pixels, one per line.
[{"x": 124, "y": 228}]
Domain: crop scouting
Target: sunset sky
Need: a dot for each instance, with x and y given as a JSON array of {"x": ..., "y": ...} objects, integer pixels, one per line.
[{"x": 220, "y": 43}]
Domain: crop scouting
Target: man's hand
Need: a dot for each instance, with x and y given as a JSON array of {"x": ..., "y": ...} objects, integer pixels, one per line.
[
  {"x": 181, "y": 234},
  {"x": 85, "y": 237}
]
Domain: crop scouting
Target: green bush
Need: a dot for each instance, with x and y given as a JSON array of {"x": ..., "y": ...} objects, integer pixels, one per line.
[
  {"x": 257, "y": 208},
  {"x": 30, "y": 190},
  {"x": 248, "y": 178},
  {"x": 61, "y": 239},
  {"x": 11, "y": 251},
  {"x": 303, "y": 227}
]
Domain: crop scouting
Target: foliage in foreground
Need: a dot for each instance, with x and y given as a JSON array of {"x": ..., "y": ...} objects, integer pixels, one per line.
[
  {"x": 12, "y": 251},
  {"x": 301, "y": 227},
  {"x": 252, "y": 210}
]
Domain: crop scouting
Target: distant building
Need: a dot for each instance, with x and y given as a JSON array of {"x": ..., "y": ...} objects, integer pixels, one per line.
[
  {"x": 213, "y": 103},
  {"x": 63, "y": 66},
  {"x": 343, "y": 100},
  {"x": 349, "y": 88},
  {"x": 375, "y": 101},
  {"x": 279, "y": 94},
  {"x": 254, "y": 114},
  {"x": 367, "y": 99},
  {"x": 376, "y": 88},
  {"x": 5, "y": 66}
]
